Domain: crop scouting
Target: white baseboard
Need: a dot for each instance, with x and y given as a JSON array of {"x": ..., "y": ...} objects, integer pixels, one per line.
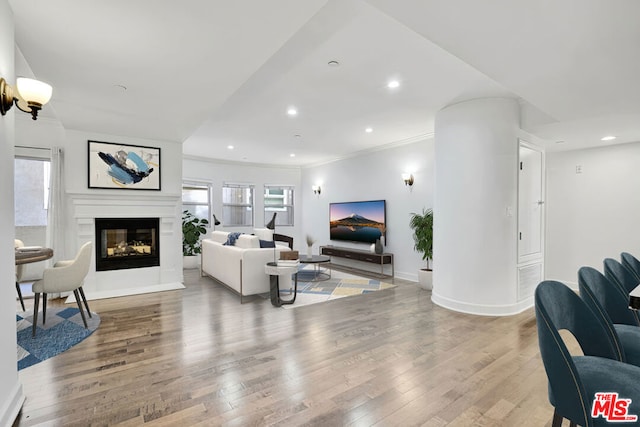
[
  {"x": 12, "y": 405},
  {"x": 482, "y": 310},
  {"x": 121, "y": 292}
]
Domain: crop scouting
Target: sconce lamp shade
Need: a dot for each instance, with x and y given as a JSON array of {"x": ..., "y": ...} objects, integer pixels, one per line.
[
  {"x": 408, "y": 179},
  {"x": 34, "y": 91},
  {"x": 29, "y": 96}
]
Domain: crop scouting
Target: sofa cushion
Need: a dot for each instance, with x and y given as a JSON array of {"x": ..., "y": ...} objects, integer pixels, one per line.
[
  {"x": 263, "y": 233},
  {"x": 247, "y": 241},
  {"x": 232, "y": 238},
  {"x": 219, "y": 236},
  {"x": 267, "y": 244}
]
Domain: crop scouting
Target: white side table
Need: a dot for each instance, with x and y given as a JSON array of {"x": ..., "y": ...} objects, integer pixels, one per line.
[{"x": 275, "y": 271}]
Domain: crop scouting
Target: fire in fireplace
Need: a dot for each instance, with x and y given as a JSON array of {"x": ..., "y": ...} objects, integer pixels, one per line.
[{"x": 127, "y": 243}]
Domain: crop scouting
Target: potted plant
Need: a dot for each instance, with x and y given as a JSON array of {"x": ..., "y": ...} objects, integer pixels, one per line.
[
  {"x": 192, "y": 228},
  {"x": 422, "y": 225}
]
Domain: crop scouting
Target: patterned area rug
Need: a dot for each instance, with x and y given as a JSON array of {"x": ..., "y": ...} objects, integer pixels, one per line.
[
  {"x": 63, "y": 330},
  {"x": 334, "y": 288}
]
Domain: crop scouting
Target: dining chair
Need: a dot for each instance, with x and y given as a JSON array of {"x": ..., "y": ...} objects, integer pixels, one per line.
[
  {"x": 574, "y": 380},
  {"x": 19, "y": 272},
  {"x": 632, "y": 263},
  {"x": 596, "y": 287},
  {"x": 65, "y": 276},
  {"x": 620, "y": 275},
  {"x": 611, "y": 308}
]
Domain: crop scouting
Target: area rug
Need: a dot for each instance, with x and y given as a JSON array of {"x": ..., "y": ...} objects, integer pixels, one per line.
[
  {"x": 334, "y": 288},
  {"x": 63, "y": 330}
]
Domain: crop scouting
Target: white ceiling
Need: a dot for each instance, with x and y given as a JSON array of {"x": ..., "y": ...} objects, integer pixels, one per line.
[{"x": 213, "y": 73}]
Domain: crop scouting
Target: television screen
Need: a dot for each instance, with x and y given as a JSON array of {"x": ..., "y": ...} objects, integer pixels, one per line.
[{"x": 357, "y": 221}]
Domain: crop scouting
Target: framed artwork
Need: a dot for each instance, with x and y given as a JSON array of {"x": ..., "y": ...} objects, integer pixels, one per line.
[{"x": 122, "y": 166}]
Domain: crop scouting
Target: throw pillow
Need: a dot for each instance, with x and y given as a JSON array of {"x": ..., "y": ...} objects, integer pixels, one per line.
[
  {"x": 231, "y": 239},
  {"x": 267, "y": 244}
]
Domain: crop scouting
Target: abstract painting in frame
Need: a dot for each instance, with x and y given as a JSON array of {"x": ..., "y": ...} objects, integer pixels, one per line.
[{"x": 123, "y": 166}]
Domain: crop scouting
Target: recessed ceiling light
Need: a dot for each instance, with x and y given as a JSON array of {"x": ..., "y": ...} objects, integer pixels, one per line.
[
  {"x": 368, "y": 130},
  {"x": 608, "y": 138},
  {"x": 230, "y": 147},
  {"x": 333, "y": 63},
  {"x": 292, "y": 111},
  {"x": 393, "y": 84},
  {"x": 292, "y": 155}
]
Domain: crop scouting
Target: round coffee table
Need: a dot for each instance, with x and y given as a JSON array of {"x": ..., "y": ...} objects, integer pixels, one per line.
[{"x": 319, "y": 273}]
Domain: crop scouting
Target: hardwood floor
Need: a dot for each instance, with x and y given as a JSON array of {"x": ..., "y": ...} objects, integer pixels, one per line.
[{"x": 198, "y": 357}]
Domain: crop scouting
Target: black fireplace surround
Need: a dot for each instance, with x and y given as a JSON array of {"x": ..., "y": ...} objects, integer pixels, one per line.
[{"x": 123, "y": 243}]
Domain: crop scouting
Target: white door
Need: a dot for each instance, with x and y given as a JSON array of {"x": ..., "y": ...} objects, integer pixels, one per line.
[{"x": 530, "y": 204}]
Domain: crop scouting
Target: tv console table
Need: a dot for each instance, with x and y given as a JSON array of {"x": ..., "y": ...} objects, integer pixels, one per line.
[{"x": 360, "y": 255}]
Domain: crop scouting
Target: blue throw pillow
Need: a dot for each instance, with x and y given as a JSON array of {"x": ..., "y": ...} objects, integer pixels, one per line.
[
  {"x": 267, "y": 244},
  {"x": 231, "y": 239}
]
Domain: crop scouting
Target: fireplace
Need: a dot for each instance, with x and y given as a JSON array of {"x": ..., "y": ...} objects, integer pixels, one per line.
[{"x": 123, "y": 243}]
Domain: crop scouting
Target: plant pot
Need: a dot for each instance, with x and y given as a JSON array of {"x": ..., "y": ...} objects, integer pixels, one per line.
[
  {"x": 425, "y": 279},
  {"x": 191, "y": 262}
]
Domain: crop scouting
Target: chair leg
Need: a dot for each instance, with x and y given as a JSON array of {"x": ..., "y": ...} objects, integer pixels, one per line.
[
  {"x": 557, "y": 419},
  {"x": 44, "y": 307},
  {"x": 20, "y": 295},
  {"x": 85, "y": 301},
  {"x": 84, "y": 319},
  {"x": 36, "y": 302}
]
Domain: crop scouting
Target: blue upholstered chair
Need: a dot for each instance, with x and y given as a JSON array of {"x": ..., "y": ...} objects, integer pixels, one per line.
[
  {"x": 594, "y": 286},
  {"x": 611, "y": 308},
  {"x": 619, "y": 275},
  {"x": 575, "y": 379},
  {"x": 632, "y": 263}
]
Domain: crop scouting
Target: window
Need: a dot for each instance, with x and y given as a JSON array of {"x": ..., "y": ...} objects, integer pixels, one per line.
[
  {"x": 196, "y": 198},
  {"x": 31, "y": 190},
  {"x": 237, "y": 204},
  {"x": 278, "y": 199}
]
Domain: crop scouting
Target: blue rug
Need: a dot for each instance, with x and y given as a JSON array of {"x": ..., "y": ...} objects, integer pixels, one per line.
[{"x": 63, "y": 330}]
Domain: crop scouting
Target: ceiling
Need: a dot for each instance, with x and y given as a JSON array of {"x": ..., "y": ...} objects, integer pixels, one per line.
[{"x": 213, "y": 74}]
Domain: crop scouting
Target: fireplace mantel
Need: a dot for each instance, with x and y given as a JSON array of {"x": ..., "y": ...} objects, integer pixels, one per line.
[{"x": 85, "y": 207}]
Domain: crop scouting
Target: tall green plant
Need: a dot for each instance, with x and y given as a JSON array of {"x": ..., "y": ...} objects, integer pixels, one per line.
[
  {"x": 422, "y": 225},
  {"x": 192, "y": 229}
]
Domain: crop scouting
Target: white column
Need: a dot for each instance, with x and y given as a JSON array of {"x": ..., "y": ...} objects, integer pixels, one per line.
[{"x": 475, "y": 203}]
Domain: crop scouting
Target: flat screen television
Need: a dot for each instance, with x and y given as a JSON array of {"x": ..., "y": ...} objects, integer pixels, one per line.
[{"x": 357, "y": 221}]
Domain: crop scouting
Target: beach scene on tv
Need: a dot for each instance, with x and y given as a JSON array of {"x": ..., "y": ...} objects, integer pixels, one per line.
[{"x": 357, "y": 221}]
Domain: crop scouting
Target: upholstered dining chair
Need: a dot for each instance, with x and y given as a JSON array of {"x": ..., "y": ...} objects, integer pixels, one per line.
[
  {"x": 65, "y": 276},
  {"x": 632, "y": 263},
  {"x": 600, "y": 293},
  {"x": 19, "y": 272},
  {"x": 620, "y": 275},
  {"x": 574, "y": 380},
  {"x": 611, "y": 308}
]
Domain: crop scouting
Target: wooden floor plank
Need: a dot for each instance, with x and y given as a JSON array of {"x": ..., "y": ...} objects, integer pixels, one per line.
[{"x": 198, "y": 357}]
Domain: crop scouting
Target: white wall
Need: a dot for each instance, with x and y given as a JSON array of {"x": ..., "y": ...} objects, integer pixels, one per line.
[
  {"x": 594, "y": 214},
  {"x": 11, "y": 396},
  {"x": 85, "y": 204},
  {"x": 475, "y": 215},
  {"x": 217, "y": 172},
  {"x": 373, "y": 176}
]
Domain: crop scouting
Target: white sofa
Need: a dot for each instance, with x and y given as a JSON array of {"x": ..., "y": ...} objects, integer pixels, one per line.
[{"x": 239, "y": 267}]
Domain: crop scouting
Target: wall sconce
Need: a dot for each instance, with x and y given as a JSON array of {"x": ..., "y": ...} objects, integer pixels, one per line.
[
  {"x": 408, "y": 179},
  {"x": 316, "y": 190},
  {"x": 29, "y": 97}
]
